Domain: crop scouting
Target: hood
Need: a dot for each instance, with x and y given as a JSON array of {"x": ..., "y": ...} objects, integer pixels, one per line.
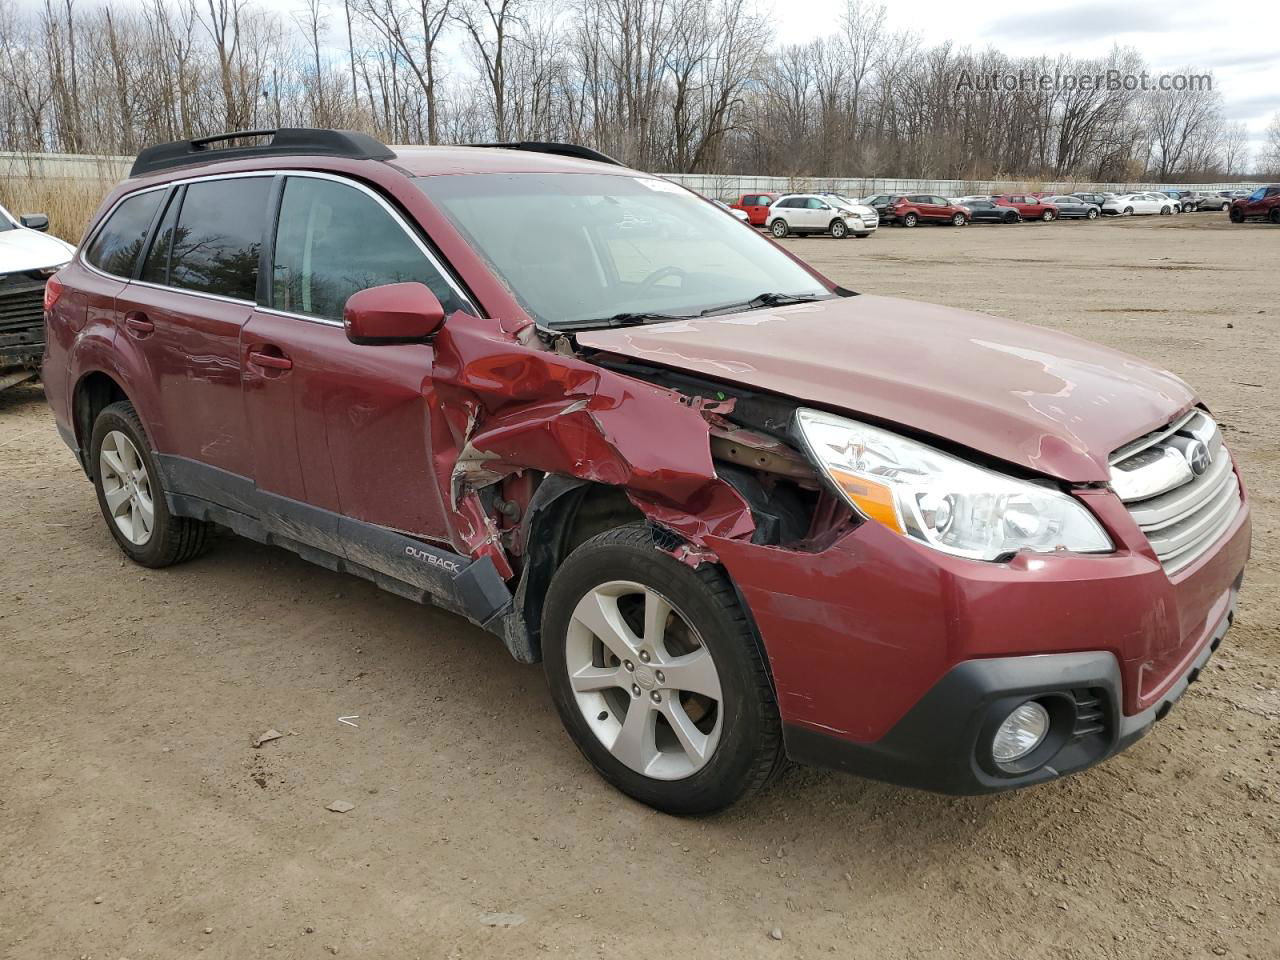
[
  {"x": 1043, "y": 400},
  {"x": 861, "y": 209},
  {"x": 24, "y": 249}
]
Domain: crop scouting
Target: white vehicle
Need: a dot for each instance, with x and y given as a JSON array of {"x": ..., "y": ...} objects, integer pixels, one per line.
[
  {"x": 820, "y": 213},
  {"x": 28, "y": 257},
  {"x": 1137, "y": 204},
  {"x": 736, "y": 214}
]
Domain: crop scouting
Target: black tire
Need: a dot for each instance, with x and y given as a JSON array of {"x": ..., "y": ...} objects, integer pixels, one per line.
[
  {"x": 1165, "y": 211},
  {"x": 958, "y": 220},
  {"x": 1274, "y": 215},
  {"x": 1011, "y": 218},
  {"x": 1237, "y": 215},
  {"x": 173, "y": 539},
  {"x": 1047, "y": 216},
  {"x": 1128, "y": 211},
  {"x": 839, "y": 229},
  {"x": 1092, "y": 214},
  {"x": 749, "y": 752},
  {"x": 910, "y": 220},
  {"x": 779, "y": 228}
]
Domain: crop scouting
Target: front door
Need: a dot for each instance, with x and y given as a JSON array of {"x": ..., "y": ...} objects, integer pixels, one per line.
[{"x": 361, "y": 413}]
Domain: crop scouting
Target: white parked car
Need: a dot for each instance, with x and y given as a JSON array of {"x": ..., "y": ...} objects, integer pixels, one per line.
[
  {"x": 1136, "y": 204},
  {"x": 28, "y": 257},
  {"x": 820, "y": 213},
  {"x": 736, "y": 214}
]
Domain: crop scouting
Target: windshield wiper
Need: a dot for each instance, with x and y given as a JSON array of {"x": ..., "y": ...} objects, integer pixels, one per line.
[
  {"x": 763, "y": 300},
  {"x": 619, "y": 320}
]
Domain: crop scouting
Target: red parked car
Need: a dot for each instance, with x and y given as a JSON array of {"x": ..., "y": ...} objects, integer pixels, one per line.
[
  {"x": 1262, "y": 204},
  {"x": 654, "y": 451},
  {"x": 756, "y": 206},
  {"x": 924, "y": 208},
  {"x": 1031, "y": 206}
]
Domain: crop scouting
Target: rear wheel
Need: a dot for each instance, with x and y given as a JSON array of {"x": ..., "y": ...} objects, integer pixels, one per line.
[
  {"x": 839, "y": 229},
  {"x": 910, "y": 220},
  {"x": 657, "y": 675},
  {"x": 132, "y": 496},
  {"x": 779, "y": 228}
]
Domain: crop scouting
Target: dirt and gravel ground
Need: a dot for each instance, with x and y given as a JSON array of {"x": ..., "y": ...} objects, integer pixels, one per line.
[{"x": 136, "y": 820}]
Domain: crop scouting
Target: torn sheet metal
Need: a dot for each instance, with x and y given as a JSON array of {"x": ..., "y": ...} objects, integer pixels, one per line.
[{"x": 501, "y": 404}]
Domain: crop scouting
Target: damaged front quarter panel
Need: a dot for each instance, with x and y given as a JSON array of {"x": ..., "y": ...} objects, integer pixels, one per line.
[{"x": 503, "y": 403}]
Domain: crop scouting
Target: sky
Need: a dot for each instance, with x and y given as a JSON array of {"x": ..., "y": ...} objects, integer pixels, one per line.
[{"x": 1215, "y": 36}]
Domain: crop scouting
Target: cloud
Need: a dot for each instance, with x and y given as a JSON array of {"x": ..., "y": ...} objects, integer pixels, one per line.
[
  {"x": 1085, "y": 22},
  {"x": 1250, "y": 108}
]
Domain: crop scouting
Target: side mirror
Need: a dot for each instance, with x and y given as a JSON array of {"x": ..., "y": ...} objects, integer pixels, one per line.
[
  {"x": 392, "y": 313},
  {"x": 35, "y": 221}
]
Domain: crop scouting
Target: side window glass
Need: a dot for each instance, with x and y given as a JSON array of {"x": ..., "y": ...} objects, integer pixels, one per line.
[
  {"x": 219, "y": 235},
  {"x": 155, "y": 268},
  {"x": 119, "y": 243},
  {"x": 334, "y": 240}
]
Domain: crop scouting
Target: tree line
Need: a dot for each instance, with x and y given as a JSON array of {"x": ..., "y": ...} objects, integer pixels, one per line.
[{"x": 664, "y": 85}]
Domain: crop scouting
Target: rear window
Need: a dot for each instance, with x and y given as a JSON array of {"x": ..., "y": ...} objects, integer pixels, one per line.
[
  {"x": 119, "y": 243},
  {"x": 219, "y": 237}
]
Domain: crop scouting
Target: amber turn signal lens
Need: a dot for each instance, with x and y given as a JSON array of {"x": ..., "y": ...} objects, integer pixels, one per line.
[{"x": 874, "y": 500}]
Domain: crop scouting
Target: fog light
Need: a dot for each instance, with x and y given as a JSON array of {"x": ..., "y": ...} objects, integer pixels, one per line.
[{"x": 1022, "y": 731}]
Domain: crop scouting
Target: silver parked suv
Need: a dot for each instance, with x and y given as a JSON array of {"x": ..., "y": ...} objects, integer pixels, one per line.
[{"x": 820, "y": 213}]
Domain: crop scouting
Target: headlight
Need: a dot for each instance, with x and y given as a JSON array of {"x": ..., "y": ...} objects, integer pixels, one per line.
[{"x": 942, "y": 501}]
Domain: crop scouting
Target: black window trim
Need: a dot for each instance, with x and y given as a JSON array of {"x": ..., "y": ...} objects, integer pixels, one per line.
[{"x": 277, "y": 191}]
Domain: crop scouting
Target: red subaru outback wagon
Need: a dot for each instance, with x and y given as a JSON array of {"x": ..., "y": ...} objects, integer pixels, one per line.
[{"x": 739, "y": 512}]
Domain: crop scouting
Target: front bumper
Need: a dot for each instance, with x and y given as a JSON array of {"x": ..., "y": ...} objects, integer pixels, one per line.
[
  {"x": 872, "y": 637},
  {"x": 943, "y": 743}
]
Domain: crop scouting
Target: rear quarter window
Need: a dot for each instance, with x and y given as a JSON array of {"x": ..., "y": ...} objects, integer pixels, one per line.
[{"x": 123, "y": 236}]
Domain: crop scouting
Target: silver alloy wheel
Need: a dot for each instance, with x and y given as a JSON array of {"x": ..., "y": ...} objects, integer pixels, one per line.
[
  {"x": 651, "y": 696},
  {"x": 126, "y": 486}
]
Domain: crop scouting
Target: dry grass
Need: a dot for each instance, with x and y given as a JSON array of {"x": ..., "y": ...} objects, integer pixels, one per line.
[{"x": 69, "y": 204}]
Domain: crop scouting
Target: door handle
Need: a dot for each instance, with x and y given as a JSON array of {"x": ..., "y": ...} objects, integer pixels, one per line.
[
  {"x": 137, "y": 321},
  {"x": 270, "y": 361}
]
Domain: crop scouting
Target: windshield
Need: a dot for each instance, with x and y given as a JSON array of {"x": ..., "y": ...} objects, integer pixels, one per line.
[{"x": 580, "y": 247}]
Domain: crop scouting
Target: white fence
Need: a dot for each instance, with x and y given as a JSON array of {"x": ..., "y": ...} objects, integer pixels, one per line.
[
  {"x": 68, "y": 166},
  {"x": 63, "y": 166},
  {"x": 726, "y": 186}
]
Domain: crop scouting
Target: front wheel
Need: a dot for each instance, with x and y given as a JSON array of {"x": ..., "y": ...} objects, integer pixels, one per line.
[
  {"x": 131, "y": 494},
  {"x": 839, "y": 229},
  {"x": 1165, "y": 211},
  {"x": 1274, "y": 215},
  {"x": 1047, "y": 216},
  {"x": 1092, "y": 214},
  {"x": 1237, "y": 215},
  {"x": 779, "y": 228},
  {"x": 1011, "y": 218},
  {"x": 958, "y": 220},
  {"x": 657, "y": 676},
  {"x": 1128, "y": 211}
]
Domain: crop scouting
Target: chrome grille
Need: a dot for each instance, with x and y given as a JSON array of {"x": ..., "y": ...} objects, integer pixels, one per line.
[{"x": 1179, "y": 486}]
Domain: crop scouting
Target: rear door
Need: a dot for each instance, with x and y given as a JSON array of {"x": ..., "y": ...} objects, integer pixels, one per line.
[
  {"x": 359, "y": 433},
  {"x": 184, "y": 313}
]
